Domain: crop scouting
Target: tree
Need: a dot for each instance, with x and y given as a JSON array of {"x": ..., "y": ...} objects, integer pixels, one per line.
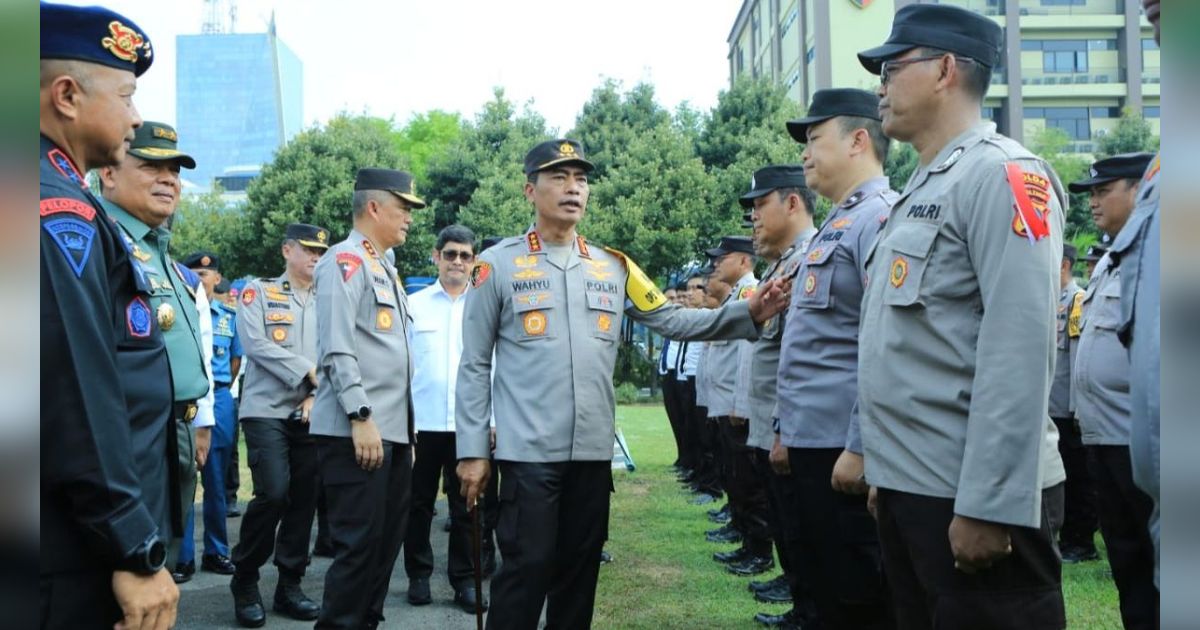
[
  {"x": 1051, "y": 143},
  {"x": 902, "y": 160},
  {"x": 424, "y": 136},
  {"x": 1131, "y": 135},
  {"x": 311, "y": 180},
  {"x": 206, "y": 223},
  {"x": 749, "y": 104}
]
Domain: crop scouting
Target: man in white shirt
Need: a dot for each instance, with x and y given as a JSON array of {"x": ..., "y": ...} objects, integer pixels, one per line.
[{"x": 437, "y": 313}]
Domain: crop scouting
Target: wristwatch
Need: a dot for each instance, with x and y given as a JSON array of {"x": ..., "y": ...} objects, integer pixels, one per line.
[
  {"x": 147, "y": 559},
  {"x": 360, "y": 414}
]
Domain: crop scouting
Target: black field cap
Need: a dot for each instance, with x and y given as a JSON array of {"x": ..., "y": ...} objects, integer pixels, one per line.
[
  {"x": 157, "y": 142},
  {"x": 1095, "y": 252},
  {"x": 731, "y": 244},
  {"x": 202, "y": 260},
  {"x": 939, "y": 26},
  {"x": 829, "y": 103},
  {"x": 1070, "y": 253},
  {"x": 553, "y": 153},
  {"x": 772, "y": 178},
  {"x": 308, "y": 235},
  {"x": 398, "y": 183},
  {"x": 95, "y": 35},
  {"x": 1126, "y": 165}
]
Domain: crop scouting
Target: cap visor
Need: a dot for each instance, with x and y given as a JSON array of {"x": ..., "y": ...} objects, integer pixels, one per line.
[
  {"x": 587, "y": 166},
  {"x": 872, "y": 59},
  {"x": 747, "y": 200},
  {"x": 155, "y": 154},
  {"x": 416, "y": 202},
  {"x": 715, "y": 252},
  {"x": 799, "y": 128},
  {"x": 315, "y": 244},
  {"x": 1087, "y": 184}
]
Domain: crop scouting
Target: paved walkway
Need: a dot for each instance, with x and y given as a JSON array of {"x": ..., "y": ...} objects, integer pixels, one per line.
[{"x": 205, "y": 601}]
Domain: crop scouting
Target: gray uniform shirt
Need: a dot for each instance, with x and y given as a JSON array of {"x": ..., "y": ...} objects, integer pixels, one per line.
[
  {"x": 1101, "y": 374},
  {"x": 727, "y": 363},
  {"x": 554, "y": 332},
  {"x": 956, "y": 347},
  {"x": 362, "y": 343},
  {"x": 1070, "y": 321},
  {"x": 818, "y": 369},
  {"x": 764, "y": 356},
  {"x": 277, "y": 325}
]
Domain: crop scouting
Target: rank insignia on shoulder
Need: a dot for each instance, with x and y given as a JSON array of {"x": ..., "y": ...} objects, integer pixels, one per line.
[
  {"x": 66, "y": 167},
  {"x": 899, "y": 272},
  {"x": 74, "y": 239},
  {"x": 815, "y": 254},
  {"x": 137, "y": 318},
  {"x": 248, "y": 297},
  {"x": 349, "y": 264},
  {"x": 842, "y": 223},
  {"x": 480, "y": 273}
]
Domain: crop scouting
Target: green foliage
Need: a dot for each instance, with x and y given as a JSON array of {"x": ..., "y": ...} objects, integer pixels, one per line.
[
  {"x": 750, "y": 104},
  {"x": 1051, "y": 144},
  {"x": 902, "y": 160},
  {"x": 203, "y": 222},
  {"x": 425, "y": 136},
  {"x": 626, "y": 393},
  {"x": 1132, "y": 134}
]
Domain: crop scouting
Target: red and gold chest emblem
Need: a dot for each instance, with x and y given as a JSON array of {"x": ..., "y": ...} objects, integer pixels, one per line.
[{"x": 604, "y": 322}]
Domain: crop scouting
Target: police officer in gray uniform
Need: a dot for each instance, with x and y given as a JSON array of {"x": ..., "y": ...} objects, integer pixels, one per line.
[
  {"x": 1101, "y": 380},
  {"x": 956, "y": 349},
  {"x": 781, "y": 211},
  {"x": 1077, "y": 539},
  {"x": 818, "y": 439},
  {"x": 549, "y": 306},
  {"x": 277, "y": 324},
  {"x": 362, "y": 416}
]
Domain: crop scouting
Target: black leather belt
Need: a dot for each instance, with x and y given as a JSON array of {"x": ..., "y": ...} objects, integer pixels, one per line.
[{"x": 186, "y": 410}]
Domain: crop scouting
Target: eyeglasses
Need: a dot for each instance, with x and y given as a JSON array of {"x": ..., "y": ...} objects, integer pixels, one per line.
[
  {"x": 450, "y": 255},
  {"x": 887, "y": 68}
]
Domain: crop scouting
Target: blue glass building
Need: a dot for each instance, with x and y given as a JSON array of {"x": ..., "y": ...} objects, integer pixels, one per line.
[{"x": 239, "y": 97}]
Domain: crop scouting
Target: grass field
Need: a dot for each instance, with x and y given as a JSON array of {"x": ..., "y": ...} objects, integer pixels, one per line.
[{"x": 664, "y": 577}]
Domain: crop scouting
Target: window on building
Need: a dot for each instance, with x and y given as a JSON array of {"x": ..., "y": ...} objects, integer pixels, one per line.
[
  {"x": 788, "y": 22},
  {"x": 1149, "y": 44},
  {"x": 1073, "y": 120},
  {"x": 810, "y": 55},
  {"x": 1064, "y": 3},
  {"x": 1151, "y": 112},
  {"x": 792, "y": 80},
  {"x": 1102, "y": 44},
  {"x": 1064, "y": 55},
  {"x": 1104, "y": 112}
]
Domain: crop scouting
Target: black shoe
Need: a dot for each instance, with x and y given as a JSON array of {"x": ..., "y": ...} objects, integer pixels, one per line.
[
  {"x": 605, "y": 557},
  {"x": 1073, "y": 554},
  {"x": 489, "y": 563},
  {"x": 292, "y": 601},
  {"x": 732, "y": 557},
  {"x": 724, "y": 509},
  {"x": 418, "y": 591},
  {"x": 232, "y": 510},
  {"x": 323, "y": 549},
  {"x": 726, "y": 534},
  {"x": 756, "y": 586},
  {"x": 787, "y": 620},
  {"x": 247, "y": 602},
  {"x": 183, "y": 572},
  {"x": 465, "y": 598},
  {"x": 753, "y": 565},
  {"x": 703, "y": 498},
  {"x": 217, "y": 564},
  {"x": 779, "y": 595}
]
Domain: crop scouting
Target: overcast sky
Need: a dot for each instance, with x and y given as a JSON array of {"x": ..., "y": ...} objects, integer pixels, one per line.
[{"x": 402, "y": 57}]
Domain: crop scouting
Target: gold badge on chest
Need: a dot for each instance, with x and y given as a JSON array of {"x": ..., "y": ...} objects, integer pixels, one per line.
[{"x": 166, "y": 316}]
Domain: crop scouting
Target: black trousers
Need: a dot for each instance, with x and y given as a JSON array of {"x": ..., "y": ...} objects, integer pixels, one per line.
[
  {"x": 839, "y": 544},
  {"x": 553, "y": 524},
  {"x": 1124, "y": 523},
  {"x": 435, "y": 455},
  {"x": 75, "y": 600},
  {"x": 283, "y": 465},
  {"x": 748, "y": 510},
  {"x": 368, "y": 517},
  {"x": 674, "y": 415},
  {"x": 1079, "y": 521},
  {"x": 692, "y": 422},
  {"x": 1020, "y": 592},
  {"x": 233, "y": 471},
  {"x": 708, "y": 465},
  {"x": 783, "y": 517}
]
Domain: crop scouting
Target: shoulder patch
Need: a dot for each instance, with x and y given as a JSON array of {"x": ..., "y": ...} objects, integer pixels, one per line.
[
  {"x": 55, "y": 205},
  {"x": 1031, "y": 193},
  {"x": 349, "y": 264},
  {"x": 480, "y": 273},
  {"x": 248, "y": 296},
  {"x": 137, "y": 318},
  {"x": 74, "y": 239},
  {"x": 747, "y": 292},
  {"x": 639, "y": 288}
]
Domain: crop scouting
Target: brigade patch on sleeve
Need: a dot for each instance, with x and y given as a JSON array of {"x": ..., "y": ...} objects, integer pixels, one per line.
[
  {"x": 55, "y": 205},
  {"x": 746, "y": 293},
  {"x": 639, "y": 288},
  {"x": 1031, "y": 194},
  {"x": 74, "y": 239},
  {"x": 480, "y": 273},
  {"x": 248, "y": 296},
  {"x": 349, "y": 264}
]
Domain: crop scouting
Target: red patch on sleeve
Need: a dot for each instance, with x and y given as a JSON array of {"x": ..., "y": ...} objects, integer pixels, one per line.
[
  {"x": 55, "y": 205},
  {"x": 248, "y": 297},
  {"x": 349, "y": 264},
  {"x": 480, "y": 273}
]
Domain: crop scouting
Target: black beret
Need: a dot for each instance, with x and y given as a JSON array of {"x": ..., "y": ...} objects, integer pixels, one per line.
[
  {"x": 772, "y": 178},
  {"x": 202, "y": 260},
  {"x": 834, "y": 102},
  {"x": 731, "y": 244},
  {"x": 95, "y": 35},
  {"x": 308, "y": 235},
  {"x": 1124, "y": 166},
  {"x": 555, "y": 152},
  {"x": 398, "y": 183},
  {"x": 944, "y": 27}
]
